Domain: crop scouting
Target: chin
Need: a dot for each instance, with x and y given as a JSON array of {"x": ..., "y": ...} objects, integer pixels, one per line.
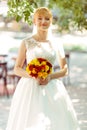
[{"x": 44, "y": 29}]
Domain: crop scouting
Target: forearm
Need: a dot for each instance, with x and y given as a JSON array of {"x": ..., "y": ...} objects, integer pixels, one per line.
[
  {"x": 59, "y": 74},
  {"x": 21, "y": 72}
]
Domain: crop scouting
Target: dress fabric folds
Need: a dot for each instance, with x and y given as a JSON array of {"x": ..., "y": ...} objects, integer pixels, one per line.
[{"x": 41, "y": 107}]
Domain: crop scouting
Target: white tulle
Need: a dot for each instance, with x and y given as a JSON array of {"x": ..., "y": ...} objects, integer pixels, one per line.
[{"x": 36, "y": 107}]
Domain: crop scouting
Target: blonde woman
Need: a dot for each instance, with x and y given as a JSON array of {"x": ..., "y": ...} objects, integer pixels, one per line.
[{"x": 41, "y": 103}]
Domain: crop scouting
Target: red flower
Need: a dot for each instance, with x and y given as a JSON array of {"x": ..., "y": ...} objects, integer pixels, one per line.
[{"x": 39, "y": 67}]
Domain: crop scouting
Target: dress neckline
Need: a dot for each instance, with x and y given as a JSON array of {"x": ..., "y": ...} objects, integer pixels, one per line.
[
  {"x": 39, "y": 43},
  {"x": 47, "y": 41}
]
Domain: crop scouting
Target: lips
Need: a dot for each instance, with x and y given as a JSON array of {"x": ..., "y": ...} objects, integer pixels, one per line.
[{"x": 44, "y": 24}]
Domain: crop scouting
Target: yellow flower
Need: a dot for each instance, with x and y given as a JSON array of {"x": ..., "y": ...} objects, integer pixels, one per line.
[
  {"x": 50, "y": 70},
  {"x": 40, "y": 74},
  {"x": 35, "y": 62},
  {"x": 47, "y": 68},
  {"x": 27, "y": 69},
  {"x": 29, "y": 72},
  {"x": 44, "y": 74},
  {"x": 33, "y": 71},
  {"x": 43, "y": 63}
]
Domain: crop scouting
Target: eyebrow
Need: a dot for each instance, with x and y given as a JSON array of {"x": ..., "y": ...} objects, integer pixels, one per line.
[{"x": 44, "y": 16}]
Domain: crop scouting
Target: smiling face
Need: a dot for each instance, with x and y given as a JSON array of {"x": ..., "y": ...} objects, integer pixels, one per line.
[{"x": 42, "y": 19}]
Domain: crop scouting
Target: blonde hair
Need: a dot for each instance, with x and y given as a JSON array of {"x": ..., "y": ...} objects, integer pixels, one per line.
[{"x": 43, "y": 11}]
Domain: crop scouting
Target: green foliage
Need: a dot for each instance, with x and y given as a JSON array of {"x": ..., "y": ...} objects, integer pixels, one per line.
[
  {"x": 21, "y": 9},
  {"x": 14, "y": 49},
  {"x": 79, "y": 48},
  {"x": 72, "y": 13}
]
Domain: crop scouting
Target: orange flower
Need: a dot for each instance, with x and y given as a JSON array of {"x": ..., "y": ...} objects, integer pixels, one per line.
[{"x": 39, "y": 67}]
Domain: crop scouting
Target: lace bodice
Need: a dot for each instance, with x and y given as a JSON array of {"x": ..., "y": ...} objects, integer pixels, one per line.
[{"x": 37, "y": 49}]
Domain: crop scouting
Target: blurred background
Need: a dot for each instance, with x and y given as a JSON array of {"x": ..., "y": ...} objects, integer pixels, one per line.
[{"x": 69, "y": 27}]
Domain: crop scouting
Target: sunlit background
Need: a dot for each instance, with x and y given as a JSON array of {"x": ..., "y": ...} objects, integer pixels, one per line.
[{"x": 75, "y": 46}]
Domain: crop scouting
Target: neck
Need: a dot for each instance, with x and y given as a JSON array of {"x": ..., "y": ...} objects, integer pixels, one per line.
[{"x": 41, "y": 35}]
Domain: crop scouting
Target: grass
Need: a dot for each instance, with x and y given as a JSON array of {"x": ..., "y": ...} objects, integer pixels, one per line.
[{"x": 78, "y": 48}]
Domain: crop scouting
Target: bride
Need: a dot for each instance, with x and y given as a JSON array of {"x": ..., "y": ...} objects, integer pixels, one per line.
[{"x": 41, "y": 102}]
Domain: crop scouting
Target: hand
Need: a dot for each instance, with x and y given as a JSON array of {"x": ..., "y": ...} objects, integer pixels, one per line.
[{"x": 42, "y": 81}]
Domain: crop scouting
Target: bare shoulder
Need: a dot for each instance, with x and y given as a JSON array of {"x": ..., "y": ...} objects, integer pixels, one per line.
[
  {"x": 25, "y": 42},
  {"x": 22, "y": 45}
]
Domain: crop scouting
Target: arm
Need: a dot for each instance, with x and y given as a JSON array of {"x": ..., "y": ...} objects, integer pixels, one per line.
[
  {"x": 63, "y": 71},
  {"x": 18, "y": 68},
  {"x": 63, "y": 68}
]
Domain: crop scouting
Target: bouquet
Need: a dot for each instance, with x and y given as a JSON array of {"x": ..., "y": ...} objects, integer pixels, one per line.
[{"x": 39, "y": 67}]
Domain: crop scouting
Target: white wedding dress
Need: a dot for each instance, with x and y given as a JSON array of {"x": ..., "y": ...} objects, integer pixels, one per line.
[{"x": 36, "y": 107}]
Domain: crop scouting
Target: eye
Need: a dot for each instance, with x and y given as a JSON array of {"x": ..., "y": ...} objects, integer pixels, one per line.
[
  {"x": 47, "y": 19},
  {"x": 39, "y": 18}
]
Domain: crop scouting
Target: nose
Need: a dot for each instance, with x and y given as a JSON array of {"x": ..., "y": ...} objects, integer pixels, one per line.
[{"x": 43, "y": 20}]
